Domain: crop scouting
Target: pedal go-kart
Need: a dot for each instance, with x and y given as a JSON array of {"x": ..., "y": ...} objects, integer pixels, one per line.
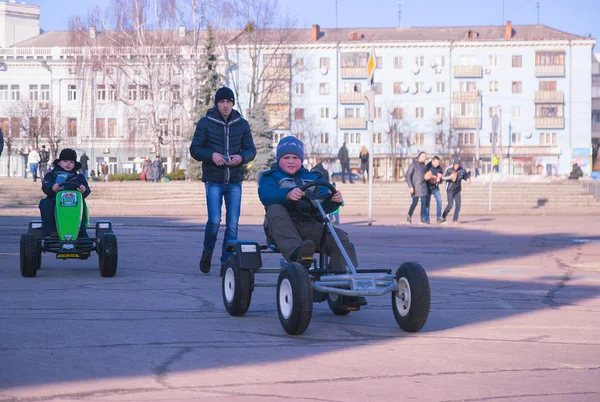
[
  {"x": 69, "y": 212},
  {"x": 301, "y": 284}
]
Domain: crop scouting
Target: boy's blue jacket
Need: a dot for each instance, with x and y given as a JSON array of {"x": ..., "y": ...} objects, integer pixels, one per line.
[
  {"x": 274, "y": 185},
  {"x": 62, "y": 175}
]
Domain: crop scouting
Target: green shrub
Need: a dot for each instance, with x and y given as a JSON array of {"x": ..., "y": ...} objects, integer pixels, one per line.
[
  {"x": 179, "y": 174},
  {"x": 124, "y": 177}
]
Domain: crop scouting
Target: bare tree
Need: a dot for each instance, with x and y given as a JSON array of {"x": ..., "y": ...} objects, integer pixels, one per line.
[
  {"x": 446, "y": 140},
  {"x": 399, "y": 137}
]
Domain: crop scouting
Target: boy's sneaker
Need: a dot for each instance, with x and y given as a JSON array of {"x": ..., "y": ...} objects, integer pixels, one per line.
[
  {"x": 304, "y": 253},
  {"x": 355, "y": 301},
  {"x": 205, "y": 261}
]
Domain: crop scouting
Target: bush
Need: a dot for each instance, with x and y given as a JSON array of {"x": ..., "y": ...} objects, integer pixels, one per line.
[
  {"x": 179, "y": 174},
  {"x": 124, "y": 177}
]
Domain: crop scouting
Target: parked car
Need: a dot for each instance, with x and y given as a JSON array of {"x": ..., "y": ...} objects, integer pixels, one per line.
[{"x": 337, "y": 176}]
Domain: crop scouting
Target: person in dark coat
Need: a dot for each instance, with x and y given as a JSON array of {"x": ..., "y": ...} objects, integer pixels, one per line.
[
  {"x": 364, "y": 163},
  {"x": 44, "y": 159},
  {"x": 345, "y": 162},
  {"x": 223, "y": 143},
  {"x": 454, "y": 176},
  {"x": 84, "y": 165},
  {"x": 433, "y": 176},
  {"x": 321, "y": 170},
  {"x": 1, "y": 142},
  {"x": 65, "y": 169},
  {"x": 576, "y": 173},
  {"x": 415, "y": 179},
  {"x": 156, "y": 169}
]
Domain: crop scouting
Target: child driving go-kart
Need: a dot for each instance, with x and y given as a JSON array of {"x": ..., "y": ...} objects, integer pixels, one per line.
[
  {"x": 292, "y": 221},
  {"x": 65, "y": 173}
]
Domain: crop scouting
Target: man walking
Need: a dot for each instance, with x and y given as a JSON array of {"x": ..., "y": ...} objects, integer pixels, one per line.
[
  {"x": 44, "y": 159},
  {"x": 345, "y": 162},
  {"x": 434, "y": 177},
  {"x": 24, "y": 152},
  {"x": 223, "y": 143},
  {"x": 34, "y": 162},
  {"x": 454, "y": 176},
  {"x": 104, "y": 171},
  {"x": 84, "y": 165},
  {"x": 415, "y": 178}
]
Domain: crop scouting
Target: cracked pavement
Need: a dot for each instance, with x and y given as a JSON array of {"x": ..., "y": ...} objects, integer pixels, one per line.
[{"x": 515, "y": 316}]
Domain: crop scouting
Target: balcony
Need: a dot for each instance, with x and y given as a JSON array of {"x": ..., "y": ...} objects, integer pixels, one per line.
[
  {"x": 354, "y": 72},
  {"x": 468, "y": 71},
  {"x": 549, "y": 122},
  {"x": 278, "y": 98},
  {"x": 553, "y": 70},
  {"x": 549, "y": 97},
  {"x": 353, "y": 123},
  {"x": 465, "y": 122},
  {"x": 468, "y": 96},
  {"x": 276, "y": 73},
  {"x": 352, "y": 97}
]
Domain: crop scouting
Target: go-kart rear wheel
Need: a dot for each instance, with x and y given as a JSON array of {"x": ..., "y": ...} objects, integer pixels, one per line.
[
  {"x": 294, "y": 299},
  {"x": 108, "y": 255},
  {"x": 29, "y": 255},
  {"x": 336, "y": 305},
  {"x": 236, "y": 288},
  {"x": 412, "y": 299}
]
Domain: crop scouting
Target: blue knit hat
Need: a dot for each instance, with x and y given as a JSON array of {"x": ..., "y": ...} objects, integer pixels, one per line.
[
  {"x": 224, "y": 93},
  {"x": 290, "y": 145}
]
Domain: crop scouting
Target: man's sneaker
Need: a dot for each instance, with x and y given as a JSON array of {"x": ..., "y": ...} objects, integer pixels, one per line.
[
  {"x": 441, "y": 220},
  {"x": 409, "y": 219},
  {"x": 425, "y": 221},
  {"x": 304, "y": 253},
  {"x": 205, "y": 261}
]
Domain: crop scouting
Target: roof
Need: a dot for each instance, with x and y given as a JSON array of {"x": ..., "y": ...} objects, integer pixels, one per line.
[{"x": 333, "y": 35}]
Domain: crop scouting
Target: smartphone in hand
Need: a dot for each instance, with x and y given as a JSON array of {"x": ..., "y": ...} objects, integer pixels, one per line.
[{"x": 227, "y": 159}]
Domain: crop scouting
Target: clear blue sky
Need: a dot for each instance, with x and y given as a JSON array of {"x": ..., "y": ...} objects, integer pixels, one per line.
[{"x": 580, "y": 17}]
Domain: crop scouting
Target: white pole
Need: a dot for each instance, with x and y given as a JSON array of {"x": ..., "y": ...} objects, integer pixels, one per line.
[{"x": 372, "y": 123}]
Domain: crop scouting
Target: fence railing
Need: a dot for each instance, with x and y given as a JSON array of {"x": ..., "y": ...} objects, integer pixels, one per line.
[{"x": 593, "y": 188}]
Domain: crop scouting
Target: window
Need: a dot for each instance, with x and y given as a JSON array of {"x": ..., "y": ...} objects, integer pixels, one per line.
[
  {"x": 324, "y": 138},
  {"x": 420, "y": 86},
  {"x": 177, "y": 128},
  {"x": 33, "y": 92},
  {"x": 378, "y": 113},
  {"x": 15, "y": 92},
  {"x": 493, "y": 111},
  {"x": 131, "y": 127},
  {"x": 324, "y": 112},
  {"x": 300, "y": 63},
  {"x": 101, "y": 92},
  {"x": 299, "y": 114},
  {"x": 466, "y": 109},
  {"x": 547, "y": 85},
  {"x": 350, "y": 112},
  {"x": 547, "y": 138},
  {"x": 176, "y": 92},
  {"x": 441, "y": 87},
  {"x": 15, "y": 127},
  {"x": 112, "y": 128},
  {"x": 100, "y": 128},
  {"x": 4, "y": 126},
  {"x": 162, "y": 125},
  {"x": 517, "y": 87},
  {"x": 354, "y": 59},
  {"x": 418, "y": 139},
  {"x": 419, "y": 112},
  {"x": 277, "y": 137},
  {"x": 398, "y": 113},
  {"x": 142, "y": 129},
  {"x": 4, "y": 95},
  {"x": 378, "y": 88},
  {"x": 324, "y": 88},
  {"x": 398, "y": 62},
  {"x": 352, "y": 87},
  {"x": 45, "y": 92},
  {"x": 379, "y": 62},
  {"x": 71, "y": 127},
  {"x": 468, "y": 86},
  {"x": 550, "y": 59},
  {"x": 72, "y": 92},
  {"x": 467, "y": 60},
  {"x": 517, "y": 112},
  {"x": 493, "y": 86},
  {"x": 494, "y": 60},
  {"x": 352, "y": 138},
  {"x": 516, "y": 138},
  {"x": 546, "y": 110},
  {"x": 440, "y": 61},
  {"x": 397, "y": 88},
  {"x": 324, "y": 63},
  {"x": 112, "y": 92},
  {"x": 420, "y": 61},
  {"x": 144, "y": 93},
  {"x": 440, "y": 111},
  {"x": 377, "y": 138},
  {"x": 517, "y": 61},
  {"x": 466, "y": 138},
  {"x": 132, "y": 92},
  {"x": 299, "y": 88}
]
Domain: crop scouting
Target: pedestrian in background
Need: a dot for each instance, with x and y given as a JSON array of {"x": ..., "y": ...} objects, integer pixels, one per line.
[
  {"x": 44, "y": 159},
  {"x": 364, "y": 163},
  {"x": 104, "y": 171},
  {"x": 345, "y": 162},
  {"x": 34, "y": 162},
  {"x": 84, "y": 165}
]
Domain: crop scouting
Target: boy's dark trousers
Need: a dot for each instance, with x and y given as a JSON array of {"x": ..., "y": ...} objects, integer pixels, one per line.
[
  {"x": 49, "y": 220},
  {"x": 288, "y": 236}
]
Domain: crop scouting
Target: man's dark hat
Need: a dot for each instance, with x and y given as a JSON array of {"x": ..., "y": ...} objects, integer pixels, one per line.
[
  {"x": 224, "y": 93},
  {"x": 68, "y": 154}
]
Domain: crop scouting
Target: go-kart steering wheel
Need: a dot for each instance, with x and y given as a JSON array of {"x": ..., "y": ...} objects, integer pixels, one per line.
[
  {"x": 315, "y": 184},
  {"x": 70, "y": 184}
]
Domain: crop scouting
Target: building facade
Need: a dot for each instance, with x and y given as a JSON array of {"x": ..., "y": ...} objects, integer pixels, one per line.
[
  {"x": 596, "y": 110},
  {"x": 441, "y": 90}
]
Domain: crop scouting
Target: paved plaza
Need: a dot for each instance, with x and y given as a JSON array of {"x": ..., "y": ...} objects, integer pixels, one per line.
[{"x": 515, "y": 316}]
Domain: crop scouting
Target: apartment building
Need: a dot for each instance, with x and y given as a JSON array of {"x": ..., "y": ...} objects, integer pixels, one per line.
[{"x": 596, "y": 109}]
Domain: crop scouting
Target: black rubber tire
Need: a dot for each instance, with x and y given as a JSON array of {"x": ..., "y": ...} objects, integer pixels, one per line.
[
  {"x": 39, "y": 258},
  {"x": 336, "y": 306},
  {"x": 236, "y": 285},
  {"x": 108, "y": 255},
  {"x": 295, "y": 287},
  {"x": 29, "y": 252},
  {"x": 417, "y": 312}
]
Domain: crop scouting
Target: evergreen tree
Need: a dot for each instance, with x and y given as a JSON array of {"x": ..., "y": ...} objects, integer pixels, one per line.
[{"x": 263, "y": 139}]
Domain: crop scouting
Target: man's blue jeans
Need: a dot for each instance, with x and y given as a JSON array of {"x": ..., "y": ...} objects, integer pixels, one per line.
[
  {"x": 438, "y": 199},
  {"x": 215, "y": 193},
  {"x": 415, "y": 201}
]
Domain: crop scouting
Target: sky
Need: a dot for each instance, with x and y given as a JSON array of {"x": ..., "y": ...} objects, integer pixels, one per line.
[{"x": 581, "y": 17}]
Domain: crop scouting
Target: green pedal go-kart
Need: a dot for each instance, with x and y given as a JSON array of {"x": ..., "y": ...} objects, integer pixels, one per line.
[{"x": 70, "y": 211}]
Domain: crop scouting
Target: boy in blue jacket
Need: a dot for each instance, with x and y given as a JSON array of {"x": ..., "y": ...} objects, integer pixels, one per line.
[
  {"x": 65, "y": 169},
  {"x": 293, "y": 223}
]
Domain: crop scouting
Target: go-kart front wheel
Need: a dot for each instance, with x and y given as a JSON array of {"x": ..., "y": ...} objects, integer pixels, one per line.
[
  {"x": 30, "y": 255},
  {"x": 294, "y": 299},
  {"x": 412, "y": 299},
  {"x": 236, "y": 288},
  {"x": 108, "y": 255}
]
